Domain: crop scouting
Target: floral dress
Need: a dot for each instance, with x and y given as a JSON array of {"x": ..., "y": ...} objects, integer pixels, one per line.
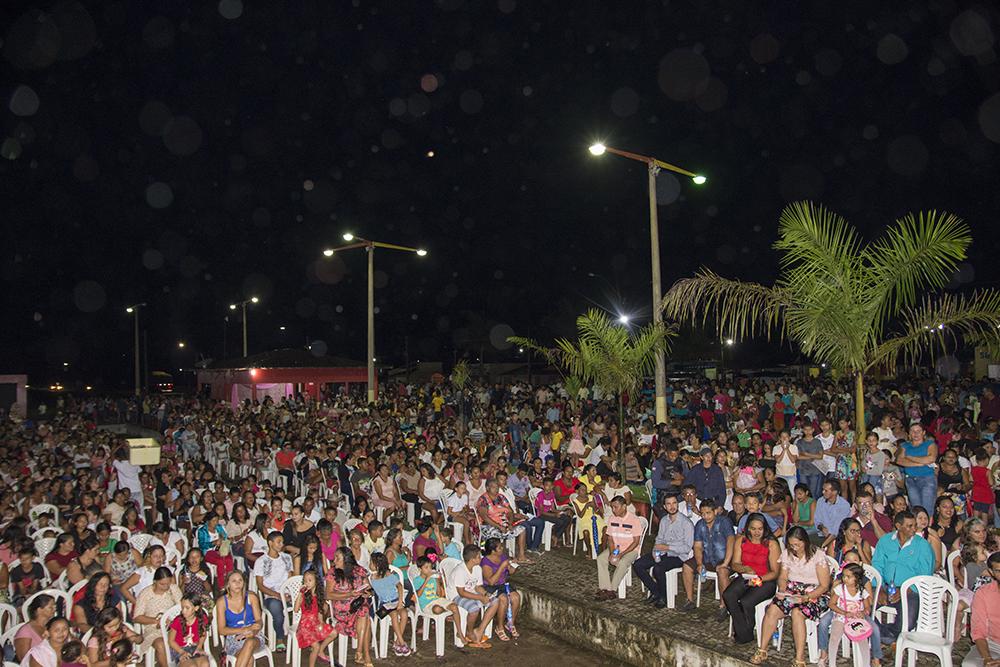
[
  {"x": 311, "y": 628},
  {"x": 847, "y": 465},
  {"x": 345, "y": 619},
  {"x": 802, "y": 579}
]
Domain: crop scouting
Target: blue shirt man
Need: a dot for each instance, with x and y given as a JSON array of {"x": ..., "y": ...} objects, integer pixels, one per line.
[
  {"x": 898, "y": 556},
  {"x": 831, "y": 509},
  {"x": 707, "y": 479}
]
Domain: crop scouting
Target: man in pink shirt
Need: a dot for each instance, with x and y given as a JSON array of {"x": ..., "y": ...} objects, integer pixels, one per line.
[
  {"x": 986, "y": 621},
  {"x": 622, "y": 539}
]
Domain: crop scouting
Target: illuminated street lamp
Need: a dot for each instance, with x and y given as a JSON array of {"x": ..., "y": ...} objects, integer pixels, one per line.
[
  {"x": 134, "y": 311},
  {"x": 243, "y": 306},
  {"x": 653, "y": 167},
  {"x": 358, "y": 242}
]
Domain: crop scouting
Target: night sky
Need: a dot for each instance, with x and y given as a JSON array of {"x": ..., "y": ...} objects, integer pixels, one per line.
[{"x": 209, "y": 152}]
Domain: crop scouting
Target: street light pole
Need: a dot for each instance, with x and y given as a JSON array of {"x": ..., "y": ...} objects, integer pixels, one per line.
[
  {"x": 653, "y": 167},
  {"x": 369, "y": 246},
  {"x": 371, "y": 323},
  {"x": 134, "y": 311},
  {"x": 243, "y": 307}
]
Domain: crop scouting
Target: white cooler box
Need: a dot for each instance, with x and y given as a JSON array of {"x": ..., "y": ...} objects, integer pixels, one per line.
[{"x": 143, "y": 451}]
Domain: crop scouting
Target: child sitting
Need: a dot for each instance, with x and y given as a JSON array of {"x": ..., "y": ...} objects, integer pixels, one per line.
[
  {"x": 391, "y": 599},
  {"x": 430, "y": 594},
  {"x": 971, "y": 565},
  {"x": 850, "y": 599},
  {"x": 72, "y": 655},
  {"x": 188, "y": 632}
]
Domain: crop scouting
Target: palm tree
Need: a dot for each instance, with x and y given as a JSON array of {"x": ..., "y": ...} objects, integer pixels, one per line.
[
  {"x": 853, "y": 305},
  {"x": 609, "y": 355},
  {"x": 459, "y": 378}
]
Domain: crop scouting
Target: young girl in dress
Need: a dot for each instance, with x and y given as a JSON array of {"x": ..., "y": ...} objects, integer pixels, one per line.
[
  {"x": 587, "y": 511},
  {"x": 188, "y": 632},
  {"x": 576, "y": 448},
  {"x": 313, "y": 631},
  {"x": 850, "y": 598}
]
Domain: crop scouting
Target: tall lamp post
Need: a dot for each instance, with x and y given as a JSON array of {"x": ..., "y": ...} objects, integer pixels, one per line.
[
  {"x": 358, "y": 242},
  {"x": 134, "y": 311},
  {"x": 243, "y": 305},
  {"x": 653, "y": 168}
]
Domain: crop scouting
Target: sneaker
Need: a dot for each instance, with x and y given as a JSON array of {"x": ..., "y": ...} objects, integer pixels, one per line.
[
  {"x": 651, "y": 599},
  {"x": 688, "y": 606},
  {"x": 660, "y": 604},
  {"x": 722, "y": 616}
]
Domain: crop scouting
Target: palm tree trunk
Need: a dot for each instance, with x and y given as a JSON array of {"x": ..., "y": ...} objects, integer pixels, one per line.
[
  {"x": 860, "y": 432},
  {"x": 621, "y": 437}
]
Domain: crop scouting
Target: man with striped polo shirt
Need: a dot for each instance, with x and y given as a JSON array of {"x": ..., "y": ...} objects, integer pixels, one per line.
[{"x": 622, "y": 541}]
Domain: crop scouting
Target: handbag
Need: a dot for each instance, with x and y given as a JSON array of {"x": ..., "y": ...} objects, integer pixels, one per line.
[{"x": 856, "y": 629}]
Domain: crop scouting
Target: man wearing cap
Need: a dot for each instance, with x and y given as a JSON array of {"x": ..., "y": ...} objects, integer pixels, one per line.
[{"x": 707, "y": 478}]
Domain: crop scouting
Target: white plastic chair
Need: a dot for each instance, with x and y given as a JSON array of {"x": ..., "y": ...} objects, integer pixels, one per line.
[
  {"x": 935, "y": 627},
  {"x": 8, "y": 617},
  {"x": 57, "y": 594},
  {"x": 440, "y": 622},
  {"x": 44, "y": 508},
  {"x": 120, "y": 533},
  {"x": 627, "y": 580},
  {"x": 8, "y": 638},
  {"x": 447, "y": 568},
  {"x": 350, "y": 524},
  {"x": 140, "y": 541},
  {"x": 263, "y": 651},
  {"x": 44, "y": 546},
  {"x": 51, "y": 531}
]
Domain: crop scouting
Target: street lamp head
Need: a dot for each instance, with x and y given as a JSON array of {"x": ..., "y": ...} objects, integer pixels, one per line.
[
  {"x": 348, "y": 236},
  {"x": 232, "y": 306},
  {"x": 598, "y": 149},
  {"x": 729, "y": 341},
  {"x": 421, "y": 252},
  {"x": 328, "y": 252},
  {"x": 254, "y": 299},
  {"x": 623, "y": 319},
  {"x": 699, "y": 180},
  {"x": 180, "y": 344},
  {"x": 130, "y": 310}
]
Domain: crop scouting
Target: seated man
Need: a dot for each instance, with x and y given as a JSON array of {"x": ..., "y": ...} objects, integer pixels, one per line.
[
  {"x": 467, "y": 591},
  {"x": 898, "y": 556},
  {"x": 674, "y": 543},
  {"x": 986, "y": 621},
  {"x": 714, "y": 539},
  {"x": 874, "y": 524},
  {"x": 622, "y": 540}
]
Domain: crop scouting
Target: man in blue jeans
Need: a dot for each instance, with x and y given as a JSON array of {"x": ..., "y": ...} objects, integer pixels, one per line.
[
  {"x": 810, "y": 461},
  {"x": 916, "y": 457}
]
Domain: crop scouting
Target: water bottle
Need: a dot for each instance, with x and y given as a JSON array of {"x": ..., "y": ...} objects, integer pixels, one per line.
[
  {"x": 774, "y": 637},
  {"x": 890, "y": 589},
  {"x": 657, "y": 555},
  {"x": 703, "y": 573},
  {"x": 510, "y": 613}
]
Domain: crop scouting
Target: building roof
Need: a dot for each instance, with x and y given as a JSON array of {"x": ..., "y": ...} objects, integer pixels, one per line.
[{"x": 287, "y": 358}]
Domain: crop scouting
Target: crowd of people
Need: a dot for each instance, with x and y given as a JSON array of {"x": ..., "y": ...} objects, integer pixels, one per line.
[{"x": 323, "y": 518}]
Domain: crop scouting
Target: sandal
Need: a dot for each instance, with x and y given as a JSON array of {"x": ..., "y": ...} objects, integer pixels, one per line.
[
  {"x": 798, "y": 663},
  {"x": 513, "y": 632},
  {"x": 501, "y": 635},
  {"x": 480, "y": 644},
  {"x": 759, "y": 656}
]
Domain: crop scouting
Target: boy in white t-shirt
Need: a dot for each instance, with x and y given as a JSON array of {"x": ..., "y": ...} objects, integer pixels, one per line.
[{"x": 466, "y": 590}]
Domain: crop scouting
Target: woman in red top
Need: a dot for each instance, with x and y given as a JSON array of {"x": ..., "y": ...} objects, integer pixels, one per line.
[
  {"x": 755, "y": 559},
  {"x": 982, "y": 490},
  {"x": 565, "y": 485}
]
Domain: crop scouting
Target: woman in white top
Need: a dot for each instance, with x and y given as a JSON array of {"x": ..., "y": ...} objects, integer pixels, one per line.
[
  {"x": 785, "y": 455},
  {"x": 614, "y": 489},
  {"x": 429, "y": 490},
  {"x": 47, "y": 654},
  {"x": 154, "y": 557},
  {"x": 255, "y": 543}
]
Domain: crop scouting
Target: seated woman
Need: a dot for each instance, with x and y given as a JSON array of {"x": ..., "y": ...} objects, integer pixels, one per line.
[
  {"x": 61, "y": 555},
  {"x": 87, "y": 564},
  {"x": 47, "y": 653},
  {"x": 108, "y": 629},
  {"x": 153, "y": 559},
  {"x": 239, "y": 619},
  {"x": 755, "y": 559},
  {"x": 150, "y": 606},
  {"x": 849, "y": 539},
  {"x": 459, "y": 511},
  {"x": 803, "y": 584},
  {"x": 196, "y": 578},
  {"x": 496, "y": 581},
  {"x": 97, "y": 596},
  {"x": 41, "y": 610},
  {"x": 588, "y": 519},
  {"x": 215, "y": 545}
]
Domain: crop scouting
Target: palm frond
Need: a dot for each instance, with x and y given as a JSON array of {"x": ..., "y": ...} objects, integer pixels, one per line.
[
  {"x": 740, "y": 309},
  {"x": 918, "y": 252},
  {"x": 938, "y": 323},
  {"x": 818, "y": 246}
]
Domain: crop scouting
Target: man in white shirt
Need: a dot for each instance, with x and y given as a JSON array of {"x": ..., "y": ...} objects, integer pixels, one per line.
[
  {"x": 272, "y": 570},
  {"x": 128, "y": 476},
  {"x": 827, "y": 464},
  {"x": 466, "y": 590}
]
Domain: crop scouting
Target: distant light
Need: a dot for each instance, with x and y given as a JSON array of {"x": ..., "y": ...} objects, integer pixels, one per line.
[
  {"x": 282, "y": 328},
  {"x": 822, "y": 365},
  {"x": 65, "y": 363},
  {"x": 180, "y": 344},
  {"x": 520, "y": 350},
  {"x": 699, "y": 180},
  {"x": 253, "y": 372},
  {"x": 254, "y": 299},
  {"x": 940, "y": 326},
  {"x": 328, "y": 252},
  {"x": 598, "y": 149},
  {"x": 623, "y": 319},
  {"x": 374, "y": 359},
  {"x": 421, "y": 252},
  {"x": 88, "y": 387},
  {"x": 232, "y": 306},
  {"x": 430, "y": 153},
  {"x": 729, "y": 341},
  {"x": 130, "y": 310},
  {"x": 348, "y": 236}
]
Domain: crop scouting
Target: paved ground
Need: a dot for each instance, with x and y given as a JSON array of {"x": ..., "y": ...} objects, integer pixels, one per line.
[
  {"x": 533, "y": 649},
  {"x": 575, "y": 579}
]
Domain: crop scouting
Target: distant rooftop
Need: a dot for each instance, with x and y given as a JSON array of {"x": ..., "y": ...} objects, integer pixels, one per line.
[{"x": 287, "y": 358}]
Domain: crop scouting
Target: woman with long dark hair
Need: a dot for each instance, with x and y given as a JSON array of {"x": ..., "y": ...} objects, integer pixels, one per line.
[
  {"x": 347, "y": 587},
  {"x": 803, "y": 584},
  {"x": 98, "y": 595},
  {"x": 108, "y": 629},
  {"x": 311, "y": 558},
  {"x": 849, "y": 539},
  {"x": 756, "y": 560}
]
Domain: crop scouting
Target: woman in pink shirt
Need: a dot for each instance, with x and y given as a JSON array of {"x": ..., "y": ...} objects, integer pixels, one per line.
[{"x": 802, "y": 593}]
